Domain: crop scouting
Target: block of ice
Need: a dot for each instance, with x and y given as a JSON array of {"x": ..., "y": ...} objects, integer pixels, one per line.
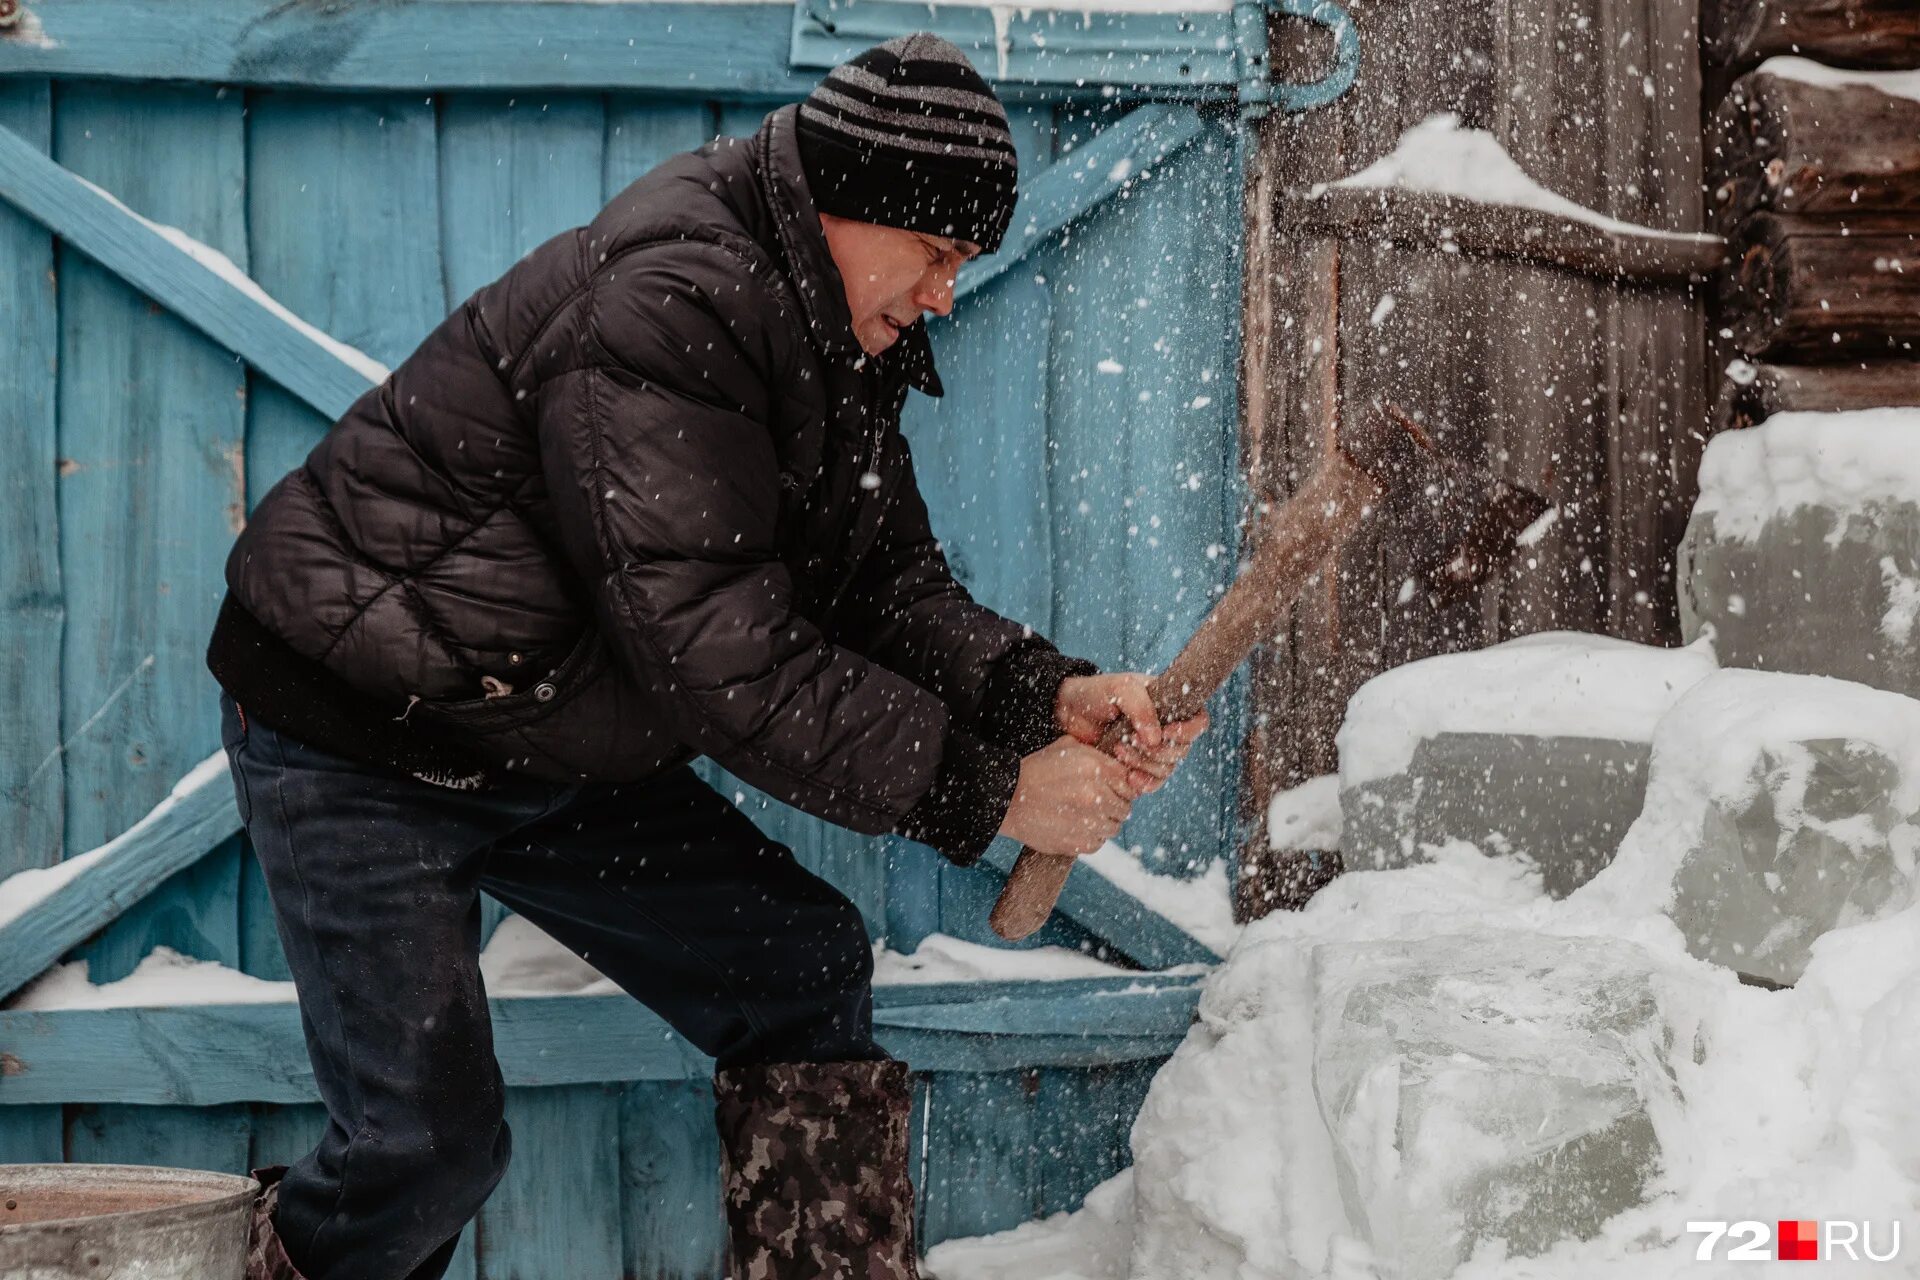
[
  {"x": 1490, "y": 1086},
  {"x": 1779, "y": 807},
  {"x": 1536, "y": 747},
  {"x": 1803, "y": 553}
]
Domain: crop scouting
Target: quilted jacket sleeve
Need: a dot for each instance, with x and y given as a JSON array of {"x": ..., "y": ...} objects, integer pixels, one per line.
[
  {"x": 906, "y": 610},
  {"x": 663, "y": 475}
]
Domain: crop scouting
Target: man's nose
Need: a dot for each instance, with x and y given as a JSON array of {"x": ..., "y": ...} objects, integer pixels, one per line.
[{"x": 936, "y": 293}]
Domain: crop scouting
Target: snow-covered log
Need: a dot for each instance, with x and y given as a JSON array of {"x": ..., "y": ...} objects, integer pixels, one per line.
[
  {"x": 1797, "y": 137},
  {"x": 1751, "y": 393},
  {"x": 1860, "y": 33}
]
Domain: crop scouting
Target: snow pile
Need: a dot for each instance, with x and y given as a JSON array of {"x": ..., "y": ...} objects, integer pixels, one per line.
[
  {"x": 163, "y": 977},
  {"x": 1792, "y": 1103},
  {"x": 1895, "y": 84},
  {"x": 522, "y": 960},
  {"x": 1201, "y": 904},
  {"x": 1092, "y": 1242},
  {"x": 1439, "y": 157},
  {"x": 1306, "y": 816},
  {"x": 1554, "y": 684},
  {"x": 1846, "y": 462},
  {"x": 26, "y": 889},
  {"x": 1779, "y": 808},
  {"x": 942, "y": 958}
]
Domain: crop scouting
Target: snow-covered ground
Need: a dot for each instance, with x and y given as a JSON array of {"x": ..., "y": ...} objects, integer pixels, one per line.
[{"x": 1799, "y": 1106}]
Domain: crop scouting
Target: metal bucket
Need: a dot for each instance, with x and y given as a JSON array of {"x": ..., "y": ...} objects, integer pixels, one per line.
[{"x": 125, "y": 1221}]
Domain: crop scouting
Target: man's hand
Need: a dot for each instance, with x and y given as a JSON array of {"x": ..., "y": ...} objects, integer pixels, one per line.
[
  {"x": 1070, "y": 799},
  {"x": 1150, "y": 751}
]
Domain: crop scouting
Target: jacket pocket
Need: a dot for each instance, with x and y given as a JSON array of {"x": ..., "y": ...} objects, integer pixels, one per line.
[{"x": 563, "y": 683}]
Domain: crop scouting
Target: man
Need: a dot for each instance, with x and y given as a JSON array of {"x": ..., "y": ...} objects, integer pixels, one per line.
[{"x": 642, "y": 499}]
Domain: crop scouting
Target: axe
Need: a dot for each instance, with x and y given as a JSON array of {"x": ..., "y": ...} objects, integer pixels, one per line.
[{"x": 1465, "y": 521}]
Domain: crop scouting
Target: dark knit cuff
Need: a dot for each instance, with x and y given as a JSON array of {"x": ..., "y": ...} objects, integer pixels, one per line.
[
  {"x": 960, "y": 814},
  {"x": 1017, "y": 704}
]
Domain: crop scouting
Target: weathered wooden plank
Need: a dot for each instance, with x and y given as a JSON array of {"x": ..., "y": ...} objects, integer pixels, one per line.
[
  {"x": 513, "y": 173},
  {"x": 103, "y": 228},
  {"x": 641, "y": 132},
  {"x": 198, "y": 817},
  {"x": 537, "y": 1222},
  {"x": 670, "y": 1181},
  {"x": 1082, "y": 1125},
  {"x": 331, "y": 180},
  {"x": 1752, "y": 393},
  {"x": 32, "y": 608},
  {"x": 212, "y": 1138},
  {"x": 1422, "y": 220},
  {"x": 1080, "y": 182},
  {"x": 1104, "y": 449},
  {"x": 979, "y": 1144},
  {"x": 1184, "y": 282},
  {"x": 423, "y": 46},
  {"x": 151, "y": 428},
  {"x": 1861, "y": 33},
  {"x": 157, "y": 1056},
  {"x": 1187, "y": 53},
  {"x": 32, "y": 1135},
  {"x": 33, "y": 771},
  {"x": 1784, "y": 144},
  {"x": 1824, "y": 288}
]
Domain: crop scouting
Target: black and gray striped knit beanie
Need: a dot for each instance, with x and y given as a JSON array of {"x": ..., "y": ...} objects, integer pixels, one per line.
[{"x": 908, "y": 135}]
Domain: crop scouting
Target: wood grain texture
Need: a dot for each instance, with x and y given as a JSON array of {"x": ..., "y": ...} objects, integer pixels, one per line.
[
  {"x": 669, "y": 1188},
  {"x": 1858, "y": 33},
  {"x": 32, "y": 606},
  {"x": 187, "y": 829},
  {"x": 1819, "y": 289},
  {"x": 1763, "y": 390},
  {"x": 1423, "y": 220},
  {"x": 151, "y": 427},
  {"x": 1781, "y": 145},
  {"x": 421, "y": 46},
  {"x": 141, "y": 256},
  {"x": 1575, "y": 371},
  {"x": 1075, "y": 185},
  {"x": 557, "y": 1212}
]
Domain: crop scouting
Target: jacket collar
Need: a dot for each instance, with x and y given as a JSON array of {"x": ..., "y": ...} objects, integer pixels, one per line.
[{"x": 823, "y": 296}]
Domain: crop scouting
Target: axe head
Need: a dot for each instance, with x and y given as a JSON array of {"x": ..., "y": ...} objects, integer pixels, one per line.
[{"x": 1463, "y": 523}]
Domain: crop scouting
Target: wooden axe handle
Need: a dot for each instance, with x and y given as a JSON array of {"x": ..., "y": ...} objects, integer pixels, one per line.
[{"x": 1294, "y": 539}]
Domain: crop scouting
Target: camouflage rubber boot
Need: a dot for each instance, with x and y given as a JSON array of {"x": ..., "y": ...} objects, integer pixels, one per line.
[
  {"x": 266, "y": 1256},
  {"x": 813, "y": 1162}
]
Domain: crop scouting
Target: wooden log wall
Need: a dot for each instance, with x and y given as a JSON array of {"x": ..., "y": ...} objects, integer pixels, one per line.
[
  {"x": 1567, "y": 360},
  {"x": 1814, "y": 173}
]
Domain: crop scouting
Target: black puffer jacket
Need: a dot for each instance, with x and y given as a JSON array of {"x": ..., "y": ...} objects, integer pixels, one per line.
[{"x": 640, "y": 499}]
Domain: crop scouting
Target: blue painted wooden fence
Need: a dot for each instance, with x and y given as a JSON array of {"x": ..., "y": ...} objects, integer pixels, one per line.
[{"x": 369, "y": 166}]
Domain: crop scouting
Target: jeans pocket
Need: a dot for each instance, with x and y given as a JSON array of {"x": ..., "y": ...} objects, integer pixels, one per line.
[{"x": 233, "y": 740}]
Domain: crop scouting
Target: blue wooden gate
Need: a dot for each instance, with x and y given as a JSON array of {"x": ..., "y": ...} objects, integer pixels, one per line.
[{"x": 219, "y": 220}]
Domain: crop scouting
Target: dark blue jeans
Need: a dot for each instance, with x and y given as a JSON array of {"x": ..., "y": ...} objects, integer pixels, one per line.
[{"x": 375, "y": 877}]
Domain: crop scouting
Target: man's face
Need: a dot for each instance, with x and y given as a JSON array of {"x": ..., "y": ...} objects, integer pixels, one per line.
[{"x": 892, "y": 276}]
